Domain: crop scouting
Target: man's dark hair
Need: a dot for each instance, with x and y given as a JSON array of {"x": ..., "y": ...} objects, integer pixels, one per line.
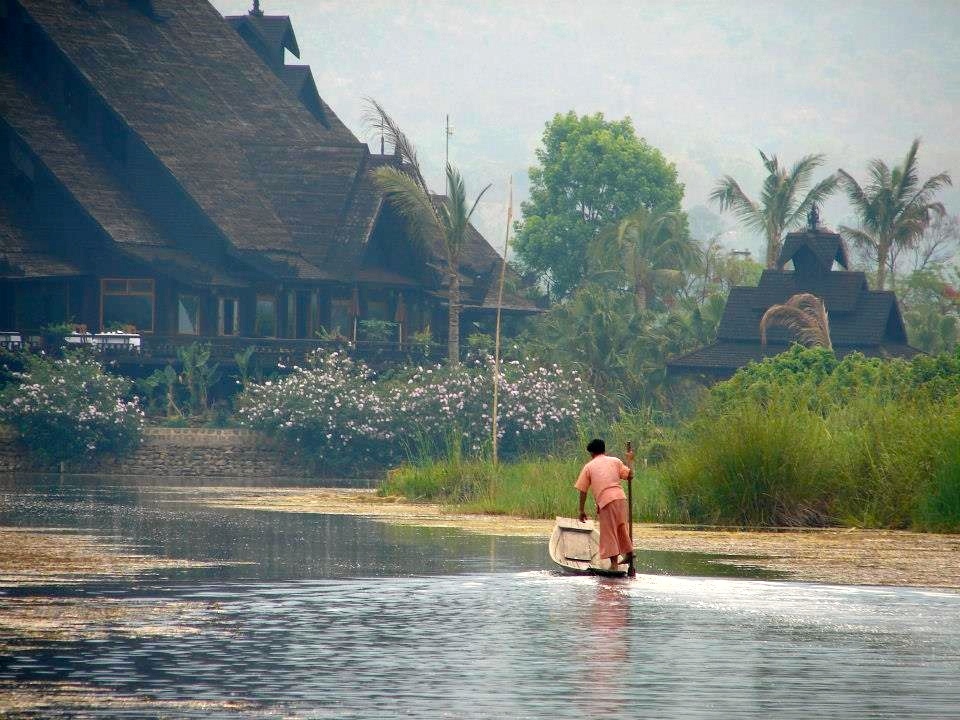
[{"x": 596, "y": 447}]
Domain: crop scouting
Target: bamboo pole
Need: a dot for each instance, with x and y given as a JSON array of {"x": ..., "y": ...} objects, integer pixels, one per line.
[{"x": 496, "y": 337}]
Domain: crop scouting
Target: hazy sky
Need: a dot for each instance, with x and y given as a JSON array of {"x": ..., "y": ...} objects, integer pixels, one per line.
[{"x": 708, "y": 83}]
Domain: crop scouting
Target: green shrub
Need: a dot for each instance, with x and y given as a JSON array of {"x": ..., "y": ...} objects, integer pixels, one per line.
[
  {"x": 755, "y": 465},
  {"x": 70, "y": 408},
  {"x": 805, "y": 439},
  {"x": 938, "y": 508}
]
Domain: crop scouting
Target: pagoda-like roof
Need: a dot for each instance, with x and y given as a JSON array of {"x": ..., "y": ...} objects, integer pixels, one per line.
[
  {"x": 825, "y": 246},
  {"x": 861, "y": 320}
]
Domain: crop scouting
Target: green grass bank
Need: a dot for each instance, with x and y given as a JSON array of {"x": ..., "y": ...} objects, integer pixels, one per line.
[{"x": 803, "y": 439}]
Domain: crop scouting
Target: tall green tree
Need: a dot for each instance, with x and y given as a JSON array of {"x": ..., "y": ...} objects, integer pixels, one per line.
[
  {"x": 651, "y": 249},
  {"x": 780, "y": 206},
  {"x": 428, "y": 217},
  {"x": 592, "y": 172},
  {"x": 894, "y": 207}
]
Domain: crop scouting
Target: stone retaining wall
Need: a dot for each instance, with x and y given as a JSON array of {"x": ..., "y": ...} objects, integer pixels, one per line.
[{"x": 183, "y": 452}]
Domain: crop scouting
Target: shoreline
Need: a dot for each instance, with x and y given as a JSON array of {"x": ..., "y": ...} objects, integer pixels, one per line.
[{"x": 841, "y": 556}]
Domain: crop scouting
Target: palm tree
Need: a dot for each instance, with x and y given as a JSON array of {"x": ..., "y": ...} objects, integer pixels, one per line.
[
  {"x": 778, "y": 209},
  {"x": 894, "y": 208},
  {"x": 803, "y": 314},
  {"x": 428, "y": 216},
  {"x": 653, "y": 250}
]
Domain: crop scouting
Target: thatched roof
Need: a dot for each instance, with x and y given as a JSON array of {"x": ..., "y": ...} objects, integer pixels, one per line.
[{"x": 282, "y": 193}]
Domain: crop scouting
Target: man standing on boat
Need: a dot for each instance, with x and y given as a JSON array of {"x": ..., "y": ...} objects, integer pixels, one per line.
[{"x": 602, "y": 475}]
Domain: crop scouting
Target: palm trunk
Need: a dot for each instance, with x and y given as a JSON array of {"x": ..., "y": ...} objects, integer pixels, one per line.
[
  {"x": 639, "y": 297},
  {"x": 882, "y": 250},
  {"x": 641, "y": 294},
  {"x": 773, "y": 251},
  {"x": 453, "y": 327}
]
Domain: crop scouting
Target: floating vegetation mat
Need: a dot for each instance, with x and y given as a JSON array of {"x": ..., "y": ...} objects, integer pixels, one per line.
[
  {"x": 66, "y": 699},
  {"x": 34, "y": 621},
  {"x": 50, "y": 556},
  {"x": 44, "y": 557},
  {"x": 841, "y": 556},
  {"x": 366, "y": 503}
]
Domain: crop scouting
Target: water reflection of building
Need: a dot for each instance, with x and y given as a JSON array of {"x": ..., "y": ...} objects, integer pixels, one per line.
[{"x": 161, "y": 167}]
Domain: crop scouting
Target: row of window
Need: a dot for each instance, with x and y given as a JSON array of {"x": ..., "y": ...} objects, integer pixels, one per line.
[{"x": 131, "y": 303}]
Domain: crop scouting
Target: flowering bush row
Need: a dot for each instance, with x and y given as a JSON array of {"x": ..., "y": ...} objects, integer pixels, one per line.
[
  {"x": 70, "y": 408},
  {"x": 329, "y": 410},
  {"x": 337, "y": 412}
]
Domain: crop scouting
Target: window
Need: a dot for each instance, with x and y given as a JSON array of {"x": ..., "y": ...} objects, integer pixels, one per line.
[
  {"x": 228, "y": 316},
  {"x": 188, "y": 315},
  {"x": 340, "y": 321},
  {"x": 290, "y": 319},
  {"x": 127, "y": 303},
  {"x": 378, "y": 310},
  {"x": 39, "y": 303},
  {"x": 265, "y": 320}
]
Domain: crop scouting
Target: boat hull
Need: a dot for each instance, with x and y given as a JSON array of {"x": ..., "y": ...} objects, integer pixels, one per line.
[{"x": 575, "y": 547}]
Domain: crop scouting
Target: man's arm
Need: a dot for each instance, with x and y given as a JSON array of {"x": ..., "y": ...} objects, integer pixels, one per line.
[{"x": 582, "y": 513}]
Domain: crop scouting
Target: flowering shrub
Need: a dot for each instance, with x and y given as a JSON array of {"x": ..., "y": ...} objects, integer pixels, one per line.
[
  {"x": 537, "y": 404},
  {"x": 70, "y": 408},
  {"x": 329, "y": 411},
  {"x": 336, "y": 411}
]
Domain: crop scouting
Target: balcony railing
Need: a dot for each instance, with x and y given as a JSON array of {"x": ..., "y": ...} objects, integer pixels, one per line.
[{"x": 130, "y": 348}]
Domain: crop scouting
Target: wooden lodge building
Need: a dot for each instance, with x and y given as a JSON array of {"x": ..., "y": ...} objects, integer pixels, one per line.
[
  {"x": 161, "y": 167},
  {"x": 861, "y": 320}
]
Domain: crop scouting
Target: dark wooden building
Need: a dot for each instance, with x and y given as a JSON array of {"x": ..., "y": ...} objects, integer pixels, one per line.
[
  {"x": 161, "y": 167},
  {"x": 814, "y": 261}
]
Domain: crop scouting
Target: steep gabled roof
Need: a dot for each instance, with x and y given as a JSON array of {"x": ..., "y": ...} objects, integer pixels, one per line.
[
  {"x": 825, "y": 246},
  {"x": 273, "y": 32},
  {"x": 19, "y": 257},
  {"x": 860, "y": 319},
  {"x": 81, "y": 172},
  {"x": 270, "y": 177}
]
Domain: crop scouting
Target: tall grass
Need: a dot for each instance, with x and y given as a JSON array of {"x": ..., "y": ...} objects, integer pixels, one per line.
[
  {"x": 870, "y": 462},
  {"x": 534, "y": 488}
]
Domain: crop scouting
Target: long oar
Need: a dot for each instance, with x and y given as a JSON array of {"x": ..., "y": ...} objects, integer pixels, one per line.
[{"x": 631, "y": 568}]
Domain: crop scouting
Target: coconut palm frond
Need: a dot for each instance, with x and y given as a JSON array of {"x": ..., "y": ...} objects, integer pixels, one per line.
[
  {"x": 730, "y": 196},
  {"x": 409, "y": 200},
  {"x": 804, "y": 315},
  {"x": 380, "y": 121},
  {"x": 895, "y": 208},
  {"x": 818, "y": 193},
  {"x": 860, "y": 238}
]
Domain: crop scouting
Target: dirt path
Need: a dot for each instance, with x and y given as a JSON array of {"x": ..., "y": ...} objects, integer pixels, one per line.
[{"x": 844, "y": 556}]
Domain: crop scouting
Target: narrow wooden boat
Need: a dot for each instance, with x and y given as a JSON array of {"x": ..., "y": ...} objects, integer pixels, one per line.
[{"x": 574, "y": 546}]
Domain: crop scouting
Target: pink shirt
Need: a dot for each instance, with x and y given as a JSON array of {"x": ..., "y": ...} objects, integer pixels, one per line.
[{"x": 603, "y": 475}]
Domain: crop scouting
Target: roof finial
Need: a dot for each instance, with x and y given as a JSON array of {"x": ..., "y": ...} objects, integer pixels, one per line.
[
  {"x": 256, "y": 11},
  {"x": 813, "y": 218}
]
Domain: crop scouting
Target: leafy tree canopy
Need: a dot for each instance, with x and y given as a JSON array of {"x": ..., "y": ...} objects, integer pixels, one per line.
[{"x": 592, "y": 172}]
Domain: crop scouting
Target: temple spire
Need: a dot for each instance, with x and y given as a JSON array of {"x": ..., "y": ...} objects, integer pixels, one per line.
[{"x": 813, "y": 218}]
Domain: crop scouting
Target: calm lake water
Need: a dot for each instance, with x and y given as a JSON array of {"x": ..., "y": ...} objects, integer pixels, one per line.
[{"x": 341, "y": 617}]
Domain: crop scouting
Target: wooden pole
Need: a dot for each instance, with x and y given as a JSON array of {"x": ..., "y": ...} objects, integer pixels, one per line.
[
  {"x": 632, "y": 567},
  {"x": 496, "y": 338}
]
